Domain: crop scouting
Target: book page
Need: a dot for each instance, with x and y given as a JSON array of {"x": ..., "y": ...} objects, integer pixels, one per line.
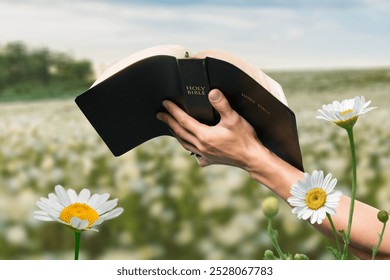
[
  {"x": 171, "y": 50},
  {"x": 180, "y": 52},
  {"x": 259, "y": 76}
]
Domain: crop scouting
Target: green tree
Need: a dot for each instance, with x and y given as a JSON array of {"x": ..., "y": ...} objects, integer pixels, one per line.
[
  {"x": 40, "y": 65},
  {"x": 13, "y": 62},
  {"x": 40, "y": 72}
]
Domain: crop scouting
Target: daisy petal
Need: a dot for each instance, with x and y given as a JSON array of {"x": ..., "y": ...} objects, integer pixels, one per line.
[
  {"x": 326, "y": 180},
  {"x": 47, "y": 208},
  {"x": 93, "y": 200},
  {"x": 72, "y": 195},
  {"x": 314, "y": 179},
  {"x": 297, "y": 192},
  {"x": 298, "y": 209},
  {"x": 113, "y": 214},
  {"x": 38, "y": 212},
  {"x": 62, "y": 196},
  {"x": 107, "y": 206},
  {"x": 330, "y": 186},
  {"x": 102, "y": 199},
  {"x": 308, "y": 213},
  {"x": 55, "y": 204},
  {"x": 334, "y": 197},
  {"x": 322, "y": 213},
  {"x": 314, "y": 217},
  {"x": 91, "y": 229},
  {"x": 53, "y": 197},
  {"x": 320, "y": 179},
  {"x": 84, "y": 196},
  {"x": 329, "y": 210},
  {"x": 296, "y": 201},
  {"x": 56, "y": 219},
  {"x": 43, "y": 218},
  {"x": 77, "y": 223}
]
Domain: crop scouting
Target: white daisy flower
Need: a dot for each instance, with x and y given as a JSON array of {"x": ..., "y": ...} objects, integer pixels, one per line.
[
  {"x": 80, "y": 212},
  {"x": 314, "y": 197},
  {"x": 346, "y": 113}
]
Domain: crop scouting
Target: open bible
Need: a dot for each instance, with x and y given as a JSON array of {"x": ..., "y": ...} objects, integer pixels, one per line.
[{"x": 123, "y": 102}]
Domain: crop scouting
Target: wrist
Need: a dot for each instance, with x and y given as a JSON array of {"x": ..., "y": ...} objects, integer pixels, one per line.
[
  {"x": 264, "y": 168},
  {"x": 273, "y": 172},
  {"x": 259, "y": 164}
]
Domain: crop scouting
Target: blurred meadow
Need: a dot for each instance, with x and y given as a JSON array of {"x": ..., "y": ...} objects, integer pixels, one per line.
[{"x": 173, "y": 208}]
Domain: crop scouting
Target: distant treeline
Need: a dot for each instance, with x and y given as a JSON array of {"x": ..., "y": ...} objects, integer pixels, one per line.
[{"x": 25, "y": 71}]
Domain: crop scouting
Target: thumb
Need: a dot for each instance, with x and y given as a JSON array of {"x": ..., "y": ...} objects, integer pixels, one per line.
[{"x": 220, "y": 103}]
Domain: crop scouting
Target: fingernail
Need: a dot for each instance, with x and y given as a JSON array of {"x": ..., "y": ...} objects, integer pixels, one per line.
[
  {"x": 158, "y": 116},
  {"x": 164, "y": 103},
  {"x": 215, "y": 95}
]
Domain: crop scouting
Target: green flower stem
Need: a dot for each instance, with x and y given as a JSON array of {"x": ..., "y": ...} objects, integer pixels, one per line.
[
  {"x": 353, "y": 194},
  {"x": 375, "y": 250},
  {"x": 336, "y": 237},
  {"x": 77, "y": 235},
  {"x": 273, "y": 235}
]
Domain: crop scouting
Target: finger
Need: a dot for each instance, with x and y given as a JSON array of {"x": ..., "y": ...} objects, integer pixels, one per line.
[
  {"x": 178, "y": 131},
  {"x": 202, "y": 161},
  {"x": 188, "y": 146},
  {"x": 182, "y": 118},
  {"x": 220, "y": 103}
]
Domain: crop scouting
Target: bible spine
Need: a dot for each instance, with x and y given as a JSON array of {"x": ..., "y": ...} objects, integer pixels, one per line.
[{"x": 195, "y": 87}]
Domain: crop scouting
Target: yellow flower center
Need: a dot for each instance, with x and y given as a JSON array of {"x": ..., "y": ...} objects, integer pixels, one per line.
[
  {"x": 80, "y": 210},
  {"x": 315, "y": 198},
  {"x": 346, "y": 112}
]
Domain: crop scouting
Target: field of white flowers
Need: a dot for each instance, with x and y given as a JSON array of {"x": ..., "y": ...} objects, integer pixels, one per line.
[{"x": 173, "y": 208}]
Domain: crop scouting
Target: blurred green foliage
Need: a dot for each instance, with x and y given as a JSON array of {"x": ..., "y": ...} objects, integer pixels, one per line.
[
  {"x": 27, "y": 74},
  {"x": 173, "y": 208}
]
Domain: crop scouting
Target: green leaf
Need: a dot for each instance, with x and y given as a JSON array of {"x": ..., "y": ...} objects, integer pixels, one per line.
[
  {"x": 336, "y": 253},
  {"x": 343, "y": 234}
]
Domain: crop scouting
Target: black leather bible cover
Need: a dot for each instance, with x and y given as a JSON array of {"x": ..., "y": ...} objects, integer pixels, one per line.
[{"x": 123, "y": 108}]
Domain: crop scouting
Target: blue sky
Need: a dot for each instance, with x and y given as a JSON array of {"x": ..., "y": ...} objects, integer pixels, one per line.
[{"x": 271, "y": 34}]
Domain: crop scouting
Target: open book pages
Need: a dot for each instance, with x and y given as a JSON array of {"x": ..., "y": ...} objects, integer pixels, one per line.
[{"x": 181, "y": 52}]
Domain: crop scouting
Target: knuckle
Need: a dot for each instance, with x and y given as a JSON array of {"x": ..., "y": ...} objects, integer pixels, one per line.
[
  {"x": 182, "y": 120},
  {"x": 233, "y": 120},
  {"x": 202, "y": 149},
  {"x": 204, "y": 139}
]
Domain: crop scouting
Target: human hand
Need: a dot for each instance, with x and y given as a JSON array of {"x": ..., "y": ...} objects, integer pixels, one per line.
[{"x": 232, "y": 141}]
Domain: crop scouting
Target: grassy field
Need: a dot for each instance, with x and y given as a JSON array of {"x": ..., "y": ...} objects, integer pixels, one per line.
[
  {"x": 27, "y": 91},
  {"x": 173, "y": 208}
]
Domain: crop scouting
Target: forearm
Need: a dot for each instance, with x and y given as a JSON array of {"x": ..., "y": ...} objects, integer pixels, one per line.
[
  {"x": 365, "y": 228},
  {"x": 279, "y": 176}
]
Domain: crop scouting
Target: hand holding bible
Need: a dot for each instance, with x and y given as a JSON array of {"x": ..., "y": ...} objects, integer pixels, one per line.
[{"x": 232, "y": 141}]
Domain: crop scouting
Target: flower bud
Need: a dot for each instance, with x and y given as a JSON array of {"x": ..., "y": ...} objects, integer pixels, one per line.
[
  {"x": 383, "y": 216},
  {"x": 269, "y": 255},
  {"x": 270, "y": 206},
  {"x": 301, "y": 257}
]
